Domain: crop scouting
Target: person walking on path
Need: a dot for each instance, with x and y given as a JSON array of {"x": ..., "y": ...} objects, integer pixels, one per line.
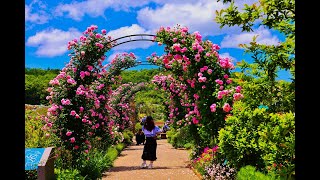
[
  {"x": 150, "y": 147},
  {"x": 140, "y": 138}
]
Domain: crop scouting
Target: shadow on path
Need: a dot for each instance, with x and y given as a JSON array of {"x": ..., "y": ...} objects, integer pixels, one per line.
[
  {"x": 137, "y": 168},
  {"x": 171, "y": 164}
]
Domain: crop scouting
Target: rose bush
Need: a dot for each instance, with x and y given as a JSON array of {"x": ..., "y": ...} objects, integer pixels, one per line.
[
  {"x": 120, "y": 101},
  {"x": 79, "y": 94},
  {"x": 202, "y": 92}
]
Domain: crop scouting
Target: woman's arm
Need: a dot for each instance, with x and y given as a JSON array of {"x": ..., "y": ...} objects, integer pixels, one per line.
[{"x": 158, "y": 131}]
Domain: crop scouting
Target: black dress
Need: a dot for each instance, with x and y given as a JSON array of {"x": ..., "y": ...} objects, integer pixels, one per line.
[
  {"x": 150, "y": 146},
  {"x": 150, "y": 149}
]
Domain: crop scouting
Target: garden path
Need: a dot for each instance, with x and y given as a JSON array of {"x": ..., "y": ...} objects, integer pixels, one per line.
[{"x": 172, "y": 164}]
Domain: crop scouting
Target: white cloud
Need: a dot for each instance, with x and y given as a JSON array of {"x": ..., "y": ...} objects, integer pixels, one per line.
[
  {"x": 76, "y": 10},
  {"x": 36, "y": 13},
  {"x": 130, "y": 30},
  {"x": 264, "y": 37},
  {"x": 195, "y": 1},
  {"x": 52, "y": 42},
  {"x": 197, "y": 16},
  {"x": 224, "y": 55},
  {"x": 95, "y": 8}
]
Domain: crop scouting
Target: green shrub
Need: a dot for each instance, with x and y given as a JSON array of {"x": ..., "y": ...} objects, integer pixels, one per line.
[
  {"x": 174, "y": 139},
  {"x": 249, "y": 173},
  {"x": 188, "y": 145},
  {"x": 127, "y": 135},
  {"x": 112, "y": 153},
  {"x": 97, "y": 161},
  {"x": 169, "y": 134},
  {"x": 130, "y": 133},
  {"x": 68, "y": 174},
  {"x": 35, "y": 136},
  {"x": 64, "y": 158},
  {"x": 180, "y": 138},
  {"x": 177, "y": 140},
  {"x": 94, "y": 164},
  {"x": 261, "y": 139},
  {"x": 120, "y": 147},
  {"x": 137, "y": 127},
  {"x": 102, "y": 143}
]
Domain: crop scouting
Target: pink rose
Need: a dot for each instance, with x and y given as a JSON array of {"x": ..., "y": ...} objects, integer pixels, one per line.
[
  {"x": 97, "y": 125},
  {"x": 72, "y": 140},
  {"x": 213, "y": 107},
  {"x": 73, "y": 113},
  {"x": 69, "y": 133},
  {"x": 226, "y": 107},
  {"x": 196, "y": 96},
  {"x": 238, "y": 89},
  {"x": 194, "y": 120},
  {"x": 237, "y": 96},
  {"x": 81, "y": 109},
  {"x": 219, "y": 81},
  {"x": 202, "y": 79},
  {"x": 90, "y": 68}
]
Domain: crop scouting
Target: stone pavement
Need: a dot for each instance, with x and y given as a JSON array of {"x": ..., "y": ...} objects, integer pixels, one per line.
[{"x": 172, "y": 164}]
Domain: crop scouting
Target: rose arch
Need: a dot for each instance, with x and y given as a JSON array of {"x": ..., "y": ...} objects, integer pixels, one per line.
[{"x": 83, "y": 107}]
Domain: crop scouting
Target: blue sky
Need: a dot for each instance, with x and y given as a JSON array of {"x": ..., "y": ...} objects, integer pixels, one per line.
[{"x": 49, "y": 25}]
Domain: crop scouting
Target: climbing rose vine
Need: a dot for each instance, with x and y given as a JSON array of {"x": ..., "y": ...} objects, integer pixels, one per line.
[
  {"x": 202, "y": 92},
  {"x": 120, "y": 101},
  {"x": 79, "y": 95}
]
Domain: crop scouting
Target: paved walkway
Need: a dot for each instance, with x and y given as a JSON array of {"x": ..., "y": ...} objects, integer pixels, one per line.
[{"x": 170, "y": 165}]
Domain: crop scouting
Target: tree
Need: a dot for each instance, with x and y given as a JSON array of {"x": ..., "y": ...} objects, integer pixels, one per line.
[
  {"x": 263, "y": 137},
  {"x": 268, "y": 59},
  {"x": 36, "y": 83}
]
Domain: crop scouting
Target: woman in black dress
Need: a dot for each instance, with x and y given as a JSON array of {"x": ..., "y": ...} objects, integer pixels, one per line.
[{"x": 150, "y": 147}]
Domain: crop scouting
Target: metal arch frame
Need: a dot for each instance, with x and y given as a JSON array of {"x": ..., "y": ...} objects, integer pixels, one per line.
[{"x": 132, "y": 40}]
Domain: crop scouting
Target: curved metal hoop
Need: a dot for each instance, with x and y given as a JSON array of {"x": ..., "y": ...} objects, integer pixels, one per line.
[
  {"x": 142, "y": 38},
  {"x": 131, "y": 40}
]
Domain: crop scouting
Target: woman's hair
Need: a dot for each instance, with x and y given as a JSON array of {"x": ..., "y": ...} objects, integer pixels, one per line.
[{"x": 149, "y": 124}]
